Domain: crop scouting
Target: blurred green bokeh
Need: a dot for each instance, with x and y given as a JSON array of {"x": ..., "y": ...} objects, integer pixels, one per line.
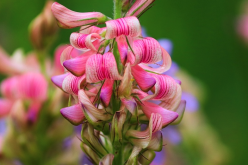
[{"x": 205, "y": 44}]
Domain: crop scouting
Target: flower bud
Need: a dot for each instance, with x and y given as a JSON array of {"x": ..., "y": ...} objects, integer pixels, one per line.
[
  {"x": 70, "y": 19},
  {"x": 43, "y": 28}
]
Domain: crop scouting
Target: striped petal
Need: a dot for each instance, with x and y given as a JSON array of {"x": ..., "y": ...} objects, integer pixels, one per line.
[
  {"x": 166, "y": 64},
  {"x": 74, "y": 114},
  {"x": 128, "y": 26},
  {"x": 99, "y": 67},
  {"x": 70, "y": 19},
  {"x": 122, "y": 48},
  {"x": 85, "y": 41},
  {"x": 72, "y": 84},
  {"x": 147, "y": 50}
]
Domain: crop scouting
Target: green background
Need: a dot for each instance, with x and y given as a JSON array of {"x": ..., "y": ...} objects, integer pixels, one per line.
[{"x": 205, "y": 44}]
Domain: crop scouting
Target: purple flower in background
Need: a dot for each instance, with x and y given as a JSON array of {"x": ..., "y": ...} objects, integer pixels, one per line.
[
  {"x": 86, "y": 161},
  {"x": 160, "y": 158},
  {"x": 192, "y": 102},
  {"x": 2, "y": 127}
]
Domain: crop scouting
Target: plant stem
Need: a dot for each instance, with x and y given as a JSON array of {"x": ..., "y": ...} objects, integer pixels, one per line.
[{"x": 118, "y": 151}]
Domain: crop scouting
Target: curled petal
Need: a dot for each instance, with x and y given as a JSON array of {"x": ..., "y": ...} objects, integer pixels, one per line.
[
  {"x": 143, "y": 79},
  {"x": 5, "y": 107},
  {"x": 143, "y": 138},
  {"x": 92, "y": 113},
  {"x": 147, "y": 50},
  {"x": 77, "y": 65},
  {"x": 99, "y": 67},
  {"x": 165, "y": 65},
  {"x": 70, "y": 19},
  {"x": 138, "y": 7},
  {"x": 85, "y": 41},
  {"x": 72, "y": 84},
  {"x": 167, "y": 116},
  {"x": 58, "y": 80},
  {"x": 92, "y": 29},
  {"x": 106, "y": 92},
  {"x": 165, "y": 88},
  {"x": 74, "y": 114},
  {"x": 128, "y": 26}
]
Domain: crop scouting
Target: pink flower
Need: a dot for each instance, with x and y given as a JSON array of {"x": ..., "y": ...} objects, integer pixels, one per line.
[{"x": 70, "y": 19}]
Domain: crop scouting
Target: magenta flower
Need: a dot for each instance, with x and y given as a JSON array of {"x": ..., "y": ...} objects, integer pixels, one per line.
[{"x": 114, "y": 90}]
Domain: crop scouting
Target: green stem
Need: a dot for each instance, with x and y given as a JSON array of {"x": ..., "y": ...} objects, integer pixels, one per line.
[
  {"x": 117, "y": 8},
  {"x": 118, "y": 152}
]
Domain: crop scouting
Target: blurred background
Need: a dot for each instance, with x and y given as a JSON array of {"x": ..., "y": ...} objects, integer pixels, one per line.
[{"x": 205, "y": 44}]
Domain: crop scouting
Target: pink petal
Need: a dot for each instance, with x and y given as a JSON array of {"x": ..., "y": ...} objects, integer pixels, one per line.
[
  {"x": 66, "y": 54},
  {"x": 99, "y": 67},
  {"x": 165, "y": 88},
  {"x": 9, "y": 88},
  {"x": 74, "y": 114},
  {"x": 70, "y": 19},
  {"x": 72, "y": 84},
  {"x": 94, "y": 69},
  {"x": 58, "y": 80},
  {"x": 147, "y": 50},
  {"x": 167, "y": 116},
  {"x": 138, "y": 7},
  {"x": 33, "y": 86},
  {"x": 106, "y": 92},
  {"x": 128, "y": 26},
  {"x": 110, "y": 67},
  {"x": 77, "y": 65},
  {"x": 5, "y": 107},
  {"x": 85, "y": 41},
  {"x": 164, "y": 67},
  {"x": 143, "y": 79}
]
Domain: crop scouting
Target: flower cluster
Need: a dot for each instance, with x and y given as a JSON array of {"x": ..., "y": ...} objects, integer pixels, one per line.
[{"x": 114, "y": 87}]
